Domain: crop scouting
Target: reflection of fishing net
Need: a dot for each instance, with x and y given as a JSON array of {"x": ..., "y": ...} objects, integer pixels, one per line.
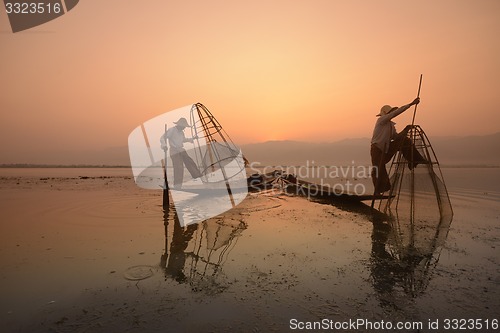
[
  {"x": 397, "y": 274},
  {"x": 205, "y": 272},
  {"x": 419, "y": 206},
  {"x": 217, "y": 157},
  {"x": 196, "y": 254},
  {"x": 412, "y": 268},
  {"x": 422, "y": 220},
  {"x": 220, "y": 233}
]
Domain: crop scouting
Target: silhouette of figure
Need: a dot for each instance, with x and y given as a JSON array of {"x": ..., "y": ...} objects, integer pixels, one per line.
[
  {"x": 386, "y": 141},
  {"x": 180, "y": 158},
  {"x": 383, "y": 265},
  {"x": 175, "y": 261}
]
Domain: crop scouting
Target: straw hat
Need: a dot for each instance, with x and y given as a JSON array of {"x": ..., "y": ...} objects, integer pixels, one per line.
[
  {"x": 182, "y": 122},
  {"x": 386, "y": 109}
]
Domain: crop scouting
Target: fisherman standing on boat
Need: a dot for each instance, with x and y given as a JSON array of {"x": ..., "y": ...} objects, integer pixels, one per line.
[
  {"x": 176, "y": 138},
  {"x": 386, "y": 141}
]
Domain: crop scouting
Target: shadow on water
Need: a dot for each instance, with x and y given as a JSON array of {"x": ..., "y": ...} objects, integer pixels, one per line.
[
  {"x": 195, "y": 254},
  {"x": 400, "y": 268}
]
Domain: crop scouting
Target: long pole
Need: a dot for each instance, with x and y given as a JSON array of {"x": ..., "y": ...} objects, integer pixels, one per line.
[
  {"x": 166, "y": 201},
  {"x": 418, "y": 95},
  {"x": 377, "y": 182},
  {"x": 412, "y": 174}
]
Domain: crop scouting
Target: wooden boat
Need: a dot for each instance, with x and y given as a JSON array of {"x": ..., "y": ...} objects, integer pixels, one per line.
[{"x": 291, "y": 184}]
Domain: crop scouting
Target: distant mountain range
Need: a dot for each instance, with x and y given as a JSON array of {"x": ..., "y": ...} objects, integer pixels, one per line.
[{"x": 451, "y": 151}]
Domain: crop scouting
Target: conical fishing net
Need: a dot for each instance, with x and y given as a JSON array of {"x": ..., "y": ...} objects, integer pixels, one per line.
[
  {"x": 418, "y": 200},
  {"x": 217, "y": 157}
]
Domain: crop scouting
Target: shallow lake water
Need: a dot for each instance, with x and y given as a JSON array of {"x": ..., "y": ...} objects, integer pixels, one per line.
[{"x": 87, "y": 250}]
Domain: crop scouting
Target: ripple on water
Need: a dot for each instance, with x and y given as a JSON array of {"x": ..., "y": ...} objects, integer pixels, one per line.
[{"x": 139, "y": 272}]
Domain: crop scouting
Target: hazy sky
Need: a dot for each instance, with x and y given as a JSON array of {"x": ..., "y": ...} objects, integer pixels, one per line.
[{"x": 269, "y": 70}]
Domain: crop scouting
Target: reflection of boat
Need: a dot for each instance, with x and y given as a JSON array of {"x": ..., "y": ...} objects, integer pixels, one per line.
[{"x": 195, "y": 254}]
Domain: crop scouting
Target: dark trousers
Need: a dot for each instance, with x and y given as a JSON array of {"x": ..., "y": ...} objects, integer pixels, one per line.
[
  {"x": 179, "y": 159},
  {"x": 380, "y": 177}
]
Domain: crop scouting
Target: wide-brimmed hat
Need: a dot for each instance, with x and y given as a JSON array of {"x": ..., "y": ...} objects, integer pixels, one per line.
[
  {"x": 182, "y": 122},
  {"x": 386, "y": 109}
]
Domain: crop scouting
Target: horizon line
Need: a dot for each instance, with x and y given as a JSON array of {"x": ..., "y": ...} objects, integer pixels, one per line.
[{"x": 111, "y": 166}]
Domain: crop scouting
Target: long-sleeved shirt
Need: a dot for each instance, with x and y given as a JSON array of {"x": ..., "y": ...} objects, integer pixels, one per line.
[
  {"x": 385, "y": 130},
  {"x": 176, "y": 139}
]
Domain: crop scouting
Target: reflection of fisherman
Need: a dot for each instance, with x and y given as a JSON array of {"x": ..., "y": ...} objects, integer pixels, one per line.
[
  {"x": 385, "y": 143},
  {"x": 178, "y": 154},
  {"x": 174, "y": 263},
  {"x": 382, "y": 263}
]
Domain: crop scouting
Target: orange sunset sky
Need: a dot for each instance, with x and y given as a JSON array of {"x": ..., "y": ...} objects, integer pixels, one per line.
[{"x": 313, "y": 70}]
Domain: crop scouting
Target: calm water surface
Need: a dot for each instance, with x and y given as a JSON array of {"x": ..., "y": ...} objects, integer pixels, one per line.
[{"x": 86, "y": 249}]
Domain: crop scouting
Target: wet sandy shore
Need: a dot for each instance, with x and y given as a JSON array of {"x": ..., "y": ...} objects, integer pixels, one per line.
[{"x": 93, "y": 253}]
